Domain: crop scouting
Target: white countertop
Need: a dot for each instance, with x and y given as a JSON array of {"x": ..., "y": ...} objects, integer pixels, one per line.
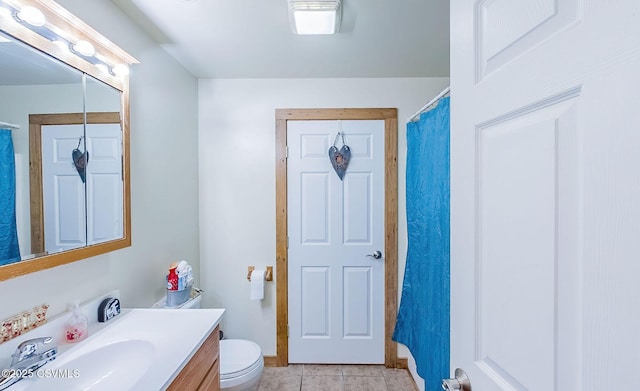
[{"x": 168, "y": 338}]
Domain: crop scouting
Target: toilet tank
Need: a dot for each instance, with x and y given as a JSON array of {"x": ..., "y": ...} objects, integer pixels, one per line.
[{"x": 192, "y": 303}]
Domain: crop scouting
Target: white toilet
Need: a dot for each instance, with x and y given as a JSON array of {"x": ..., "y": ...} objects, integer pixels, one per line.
[
  {"x": 241, "y": 361},
  {"x": 241, "y": 364}
]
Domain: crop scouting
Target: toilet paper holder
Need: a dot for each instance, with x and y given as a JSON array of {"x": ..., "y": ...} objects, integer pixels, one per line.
[{"x": 268, "y": 275}]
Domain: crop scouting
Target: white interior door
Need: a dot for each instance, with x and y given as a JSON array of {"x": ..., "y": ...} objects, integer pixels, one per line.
[
  {"x": 104, "y": 183},
  {"x": 544, "y": 193},
  {"x": 336, "y": 292},
  {"x": 62, "y": 188}
]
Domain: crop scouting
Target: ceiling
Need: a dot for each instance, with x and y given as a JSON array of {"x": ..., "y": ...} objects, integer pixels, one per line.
[{"x": 253, "y": 39}]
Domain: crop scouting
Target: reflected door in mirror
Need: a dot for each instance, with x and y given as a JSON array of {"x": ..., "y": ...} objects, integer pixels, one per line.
[
  {"x": 63, "y": 191},
  {"x": 82, "y": 204},
  {"x": 104, "y": 183}
]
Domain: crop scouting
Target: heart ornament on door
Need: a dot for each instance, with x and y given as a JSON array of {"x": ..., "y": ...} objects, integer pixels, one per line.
[
  {"x": 80, "y": 161},
  {"x": 340, "y": 157}
]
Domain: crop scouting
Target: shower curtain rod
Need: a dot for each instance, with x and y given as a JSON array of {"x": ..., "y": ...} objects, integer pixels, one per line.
[
  {"x": 8, "y": 125},
  {"x": 431, "y": 103}
]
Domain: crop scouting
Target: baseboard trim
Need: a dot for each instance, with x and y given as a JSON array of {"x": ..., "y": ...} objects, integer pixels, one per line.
[
  {"x": 270, "y": 361},
  {"x": 402, "y": 363}
]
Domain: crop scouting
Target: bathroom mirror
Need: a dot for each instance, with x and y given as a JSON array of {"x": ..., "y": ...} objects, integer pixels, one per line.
[{"x": 69, "y": 101}]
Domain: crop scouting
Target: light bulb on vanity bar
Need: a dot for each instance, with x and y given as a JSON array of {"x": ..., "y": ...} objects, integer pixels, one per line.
[
  {"x": 85, "y": 48},
  {"x": 32, "y": 15},
  {"x": 6, "y": 13},
  {"x": 120, "y": 70},
  {"x": 103, "y": 68},
  {"x": 63, "y": 45}
]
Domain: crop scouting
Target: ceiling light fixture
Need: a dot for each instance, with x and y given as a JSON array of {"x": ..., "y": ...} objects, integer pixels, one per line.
[{"x": 315, "y": 17}]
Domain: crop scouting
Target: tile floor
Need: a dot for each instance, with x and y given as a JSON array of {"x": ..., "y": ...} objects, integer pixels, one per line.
[{"x": 335, "y": 378}]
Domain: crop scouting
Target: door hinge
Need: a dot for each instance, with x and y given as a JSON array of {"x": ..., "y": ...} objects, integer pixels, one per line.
[
  {"x": 287, "y": 242},
  {"x": 286, "y": 151},
  {"x": 287, "y": 331}
]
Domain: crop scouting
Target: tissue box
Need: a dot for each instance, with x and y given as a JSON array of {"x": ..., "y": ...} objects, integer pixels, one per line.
[{"x": 175, "y": 298}]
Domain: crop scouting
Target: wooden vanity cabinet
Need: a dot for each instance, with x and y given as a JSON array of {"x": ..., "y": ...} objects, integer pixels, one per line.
[{"x": 202, "y": 372}]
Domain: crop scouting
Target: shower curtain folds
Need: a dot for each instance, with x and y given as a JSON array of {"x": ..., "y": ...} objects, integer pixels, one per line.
[
  {"x": 9, "y": 250},
  {"x": 423, "y": 316}
]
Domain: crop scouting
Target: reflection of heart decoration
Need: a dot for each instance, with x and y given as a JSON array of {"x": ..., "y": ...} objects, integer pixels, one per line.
[
  {"x": 80, "y": 160},
  {"x": 340, "y": 159}
]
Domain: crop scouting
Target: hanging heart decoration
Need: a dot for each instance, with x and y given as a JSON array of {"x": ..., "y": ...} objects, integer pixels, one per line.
[
  {"x": 340, "y": 157},
  {"x": 80, "y": 161}
]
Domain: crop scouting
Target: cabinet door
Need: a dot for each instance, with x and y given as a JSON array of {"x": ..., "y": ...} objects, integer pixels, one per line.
[
  {"x": 202, "y": 369},
  {"x": 212, "y": 381}
]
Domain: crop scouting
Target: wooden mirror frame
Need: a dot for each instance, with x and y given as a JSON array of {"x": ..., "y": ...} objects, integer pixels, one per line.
[{"x": 64, "y": 24}]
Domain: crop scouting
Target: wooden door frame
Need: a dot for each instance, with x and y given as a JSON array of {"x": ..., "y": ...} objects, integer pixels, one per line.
[{"x": 390, "y": 118}]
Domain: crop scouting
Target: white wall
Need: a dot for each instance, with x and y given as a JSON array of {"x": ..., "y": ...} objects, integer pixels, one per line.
[
  {"x": 164, "y": 182},
  {"x": 237, "y": 180}
]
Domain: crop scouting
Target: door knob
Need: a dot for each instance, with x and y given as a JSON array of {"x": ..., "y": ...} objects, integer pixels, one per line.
[
  {"x": 376, "y": 255},
  {"x": 460, "y": 382}
]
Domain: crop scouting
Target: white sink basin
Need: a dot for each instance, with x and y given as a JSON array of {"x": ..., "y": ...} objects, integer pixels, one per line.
[
  {"x": 116, "y": 366},
  {"x": 142, "y": 349}
]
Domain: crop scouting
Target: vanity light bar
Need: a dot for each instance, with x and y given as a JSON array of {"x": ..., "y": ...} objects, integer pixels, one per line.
[{"x": 35, "y": 20}]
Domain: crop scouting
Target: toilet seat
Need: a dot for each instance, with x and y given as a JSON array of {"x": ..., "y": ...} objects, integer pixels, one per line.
[{"x": 238, "y": 359}]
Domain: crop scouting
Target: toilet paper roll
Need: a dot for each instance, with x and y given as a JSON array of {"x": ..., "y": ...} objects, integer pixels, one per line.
[{"x": 257, "y": 285}]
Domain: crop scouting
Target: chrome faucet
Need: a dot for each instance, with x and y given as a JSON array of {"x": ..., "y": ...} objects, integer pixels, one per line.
[{"x": 28, "y": 357}]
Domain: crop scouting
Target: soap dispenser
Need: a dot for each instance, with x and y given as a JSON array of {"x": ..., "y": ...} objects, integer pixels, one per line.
[{"x": 77, "y": 326}]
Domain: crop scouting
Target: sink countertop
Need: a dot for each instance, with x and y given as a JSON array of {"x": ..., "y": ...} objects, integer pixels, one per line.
[
  {"x": 180, "y": 338},
  {"x": 175, "y": 337}
]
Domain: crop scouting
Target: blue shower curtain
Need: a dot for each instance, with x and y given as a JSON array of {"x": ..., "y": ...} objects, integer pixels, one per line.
[
  {"x": 423, "y": 317},
  {"x": 9, "y": 250}
]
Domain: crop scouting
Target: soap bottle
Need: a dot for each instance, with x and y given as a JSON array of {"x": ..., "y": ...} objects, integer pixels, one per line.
[
  {"x": 172, "y": 279},
  {"x": 77, "y": 327}
]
